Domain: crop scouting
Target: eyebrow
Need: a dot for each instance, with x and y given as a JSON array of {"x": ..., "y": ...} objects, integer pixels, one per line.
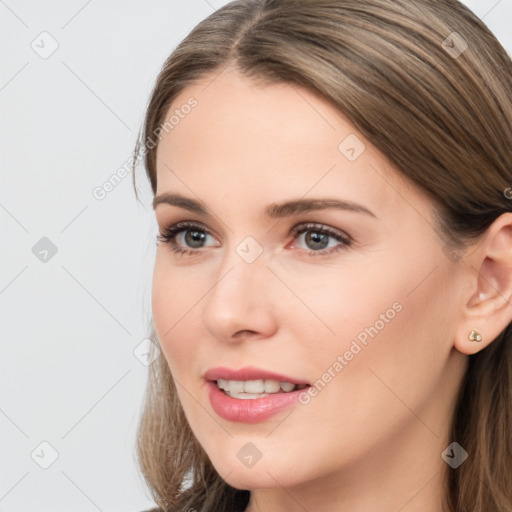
[{"x": 273, "y": 211}]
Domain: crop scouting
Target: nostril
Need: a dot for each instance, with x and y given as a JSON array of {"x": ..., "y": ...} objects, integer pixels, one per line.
[{"x": 244, "y": 332}]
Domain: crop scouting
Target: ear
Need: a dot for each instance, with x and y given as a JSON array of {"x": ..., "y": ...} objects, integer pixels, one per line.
[{"x": 488, "y": 307}]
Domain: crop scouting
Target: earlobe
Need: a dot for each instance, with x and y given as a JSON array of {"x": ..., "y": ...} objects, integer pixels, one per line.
[
  {"x": 488, "y": 310},
  {"x": 471, "y": 341}
]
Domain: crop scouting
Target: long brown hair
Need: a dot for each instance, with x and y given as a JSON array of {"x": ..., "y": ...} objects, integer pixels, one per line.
[{"x": 430, "y": 86}]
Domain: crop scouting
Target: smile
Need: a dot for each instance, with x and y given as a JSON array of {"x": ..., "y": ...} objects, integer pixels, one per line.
[
  {"x": 251, "y": 395},
  {"x": 252, "y": 389}
]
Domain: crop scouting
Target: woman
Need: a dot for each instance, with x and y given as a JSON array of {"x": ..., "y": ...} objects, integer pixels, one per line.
[{"x": 333, "y": 276}]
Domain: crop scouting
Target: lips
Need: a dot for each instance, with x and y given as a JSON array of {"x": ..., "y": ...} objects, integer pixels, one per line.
[{"x": 234, "y": 403}]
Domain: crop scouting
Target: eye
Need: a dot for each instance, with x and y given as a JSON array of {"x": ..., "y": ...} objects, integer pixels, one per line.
[
  {"x": 187, "y": 234},
  {"x": 188, "y": 237},
  {"x": 316, "y": 237}
]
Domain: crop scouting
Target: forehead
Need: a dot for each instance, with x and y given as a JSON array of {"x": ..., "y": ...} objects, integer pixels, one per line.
[{"x": 266, "y": 141}]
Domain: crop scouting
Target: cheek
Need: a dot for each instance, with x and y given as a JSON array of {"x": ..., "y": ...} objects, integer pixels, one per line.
[
  {"x": 376, "y": 330},
  {"x": 363, "y": 386},
  {"x": 342, "y": 309},
  {"x": 172, "y": 308}
]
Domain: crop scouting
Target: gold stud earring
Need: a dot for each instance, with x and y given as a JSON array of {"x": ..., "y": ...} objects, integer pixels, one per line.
[{"x": 475, "y": 335}]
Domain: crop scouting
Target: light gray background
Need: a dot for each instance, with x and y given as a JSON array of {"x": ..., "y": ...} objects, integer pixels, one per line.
[{"x": 70, "y": 324}]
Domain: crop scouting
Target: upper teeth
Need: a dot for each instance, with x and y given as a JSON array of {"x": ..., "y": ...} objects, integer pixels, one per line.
[{"x": 255, "y": 386}]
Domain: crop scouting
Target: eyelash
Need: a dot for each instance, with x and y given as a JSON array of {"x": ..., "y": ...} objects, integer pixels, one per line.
[{"x": 169, "y": 234}]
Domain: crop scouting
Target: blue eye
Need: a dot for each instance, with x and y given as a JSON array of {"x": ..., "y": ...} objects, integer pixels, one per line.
[
  {"x": 192, "y": 237},
  {"x": 317, "y": 239}
]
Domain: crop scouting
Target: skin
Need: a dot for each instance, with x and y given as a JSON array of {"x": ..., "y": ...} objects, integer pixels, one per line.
[{"x": 372, "y": 438}]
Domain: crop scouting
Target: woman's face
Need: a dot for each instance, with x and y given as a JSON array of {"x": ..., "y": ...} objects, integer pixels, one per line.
[{"x": 309, "y": 261}]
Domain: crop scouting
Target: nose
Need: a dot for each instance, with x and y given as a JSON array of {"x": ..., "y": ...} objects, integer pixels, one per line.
[{"x": 241, "y": 304}]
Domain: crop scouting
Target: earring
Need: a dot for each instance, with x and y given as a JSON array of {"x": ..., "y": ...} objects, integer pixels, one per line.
[{"x": 475, "y": 335}]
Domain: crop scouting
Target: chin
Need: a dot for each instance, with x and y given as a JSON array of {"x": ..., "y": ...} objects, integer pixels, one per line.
[
  {"x": 249, "y": 480},
  {"x": 262, "y": 475}
]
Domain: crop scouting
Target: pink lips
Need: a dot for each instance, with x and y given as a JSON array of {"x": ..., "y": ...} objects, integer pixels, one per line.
[{"x": 250, "y": 410}]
